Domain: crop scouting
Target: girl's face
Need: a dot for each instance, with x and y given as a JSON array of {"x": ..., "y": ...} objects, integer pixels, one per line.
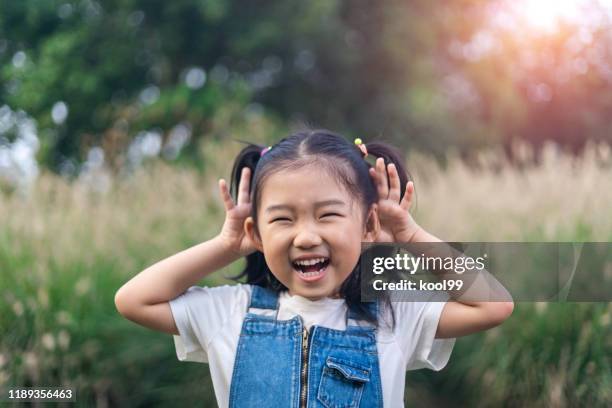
[{"x": 306, "y": 217}]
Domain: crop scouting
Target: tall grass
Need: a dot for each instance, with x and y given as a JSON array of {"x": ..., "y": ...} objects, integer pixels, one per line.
[{"x": 66, "y": 248}]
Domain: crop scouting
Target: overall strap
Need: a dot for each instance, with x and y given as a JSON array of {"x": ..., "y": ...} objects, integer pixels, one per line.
[{"x": 263, "y": 298}]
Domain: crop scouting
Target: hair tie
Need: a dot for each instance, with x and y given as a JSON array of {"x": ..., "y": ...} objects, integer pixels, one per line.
[
  {"x": 361, "y": 147},
  {"x": 264, "y": 151}
]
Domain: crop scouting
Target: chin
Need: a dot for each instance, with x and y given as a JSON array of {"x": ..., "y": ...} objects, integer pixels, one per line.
[{"x": 314, "y": 293}]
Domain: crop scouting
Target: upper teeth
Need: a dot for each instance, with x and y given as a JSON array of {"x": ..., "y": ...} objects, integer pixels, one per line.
[{"x": 310, "y": 261}]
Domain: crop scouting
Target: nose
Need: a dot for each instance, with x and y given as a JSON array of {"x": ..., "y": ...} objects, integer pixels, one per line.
[{"x": 307, "y": 237}]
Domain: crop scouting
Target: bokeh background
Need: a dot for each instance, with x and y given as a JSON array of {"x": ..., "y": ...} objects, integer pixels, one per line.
[{"x": 117, "y": 118}]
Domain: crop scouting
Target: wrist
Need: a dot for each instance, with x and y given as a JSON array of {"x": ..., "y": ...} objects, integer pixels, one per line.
[
  {"x": 227, "y": 247},
  {"x": 408, "y": 234}
]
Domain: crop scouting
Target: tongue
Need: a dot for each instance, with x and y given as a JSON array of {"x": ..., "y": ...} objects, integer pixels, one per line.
[{"x": 311, "y": 268}]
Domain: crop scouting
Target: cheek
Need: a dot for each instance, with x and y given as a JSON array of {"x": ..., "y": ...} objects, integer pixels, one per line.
[
  {"x": 351, "y": 250},
  {"x": 352, "y": 235}
]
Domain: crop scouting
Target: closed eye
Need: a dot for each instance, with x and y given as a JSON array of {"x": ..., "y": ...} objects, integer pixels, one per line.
[
  {"x": 280, "y": 219},
  {"x": 332, "y": 214}
]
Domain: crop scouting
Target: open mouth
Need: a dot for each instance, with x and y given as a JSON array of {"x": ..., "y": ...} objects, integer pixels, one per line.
[{"x": 311, "y": 268}]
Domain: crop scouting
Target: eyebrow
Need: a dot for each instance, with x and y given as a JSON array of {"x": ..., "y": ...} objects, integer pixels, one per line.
[{"x": 317, "y": 205}]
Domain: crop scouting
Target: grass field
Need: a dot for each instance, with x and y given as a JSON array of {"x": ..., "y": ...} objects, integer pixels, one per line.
[{"x": 66, "y": 248}]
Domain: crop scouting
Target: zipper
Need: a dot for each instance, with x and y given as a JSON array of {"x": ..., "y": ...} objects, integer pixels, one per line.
[{"x": 304, "y": 373}]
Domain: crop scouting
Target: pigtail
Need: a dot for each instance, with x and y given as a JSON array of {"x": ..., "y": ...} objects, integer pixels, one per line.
[
  {"x": 256, "y": 269},
  {"x": 391, "y": 155},
  {"x": 248, "y": 157},
  {"x": 351, "y": 288}
]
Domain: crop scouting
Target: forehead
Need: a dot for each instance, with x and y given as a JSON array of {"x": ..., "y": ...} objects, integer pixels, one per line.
[{"x": 302, "y": 188}]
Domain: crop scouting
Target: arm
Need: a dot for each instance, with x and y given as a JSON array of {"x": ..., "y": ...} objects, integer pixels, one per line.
[
  {"x": 460, "y": 316},
  {"x": 144, "y": 299}
]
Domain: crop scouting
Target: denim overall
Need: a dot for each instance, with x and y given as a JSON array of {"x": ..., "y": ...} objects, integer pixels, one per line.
[{"x": 280, "y": 364}]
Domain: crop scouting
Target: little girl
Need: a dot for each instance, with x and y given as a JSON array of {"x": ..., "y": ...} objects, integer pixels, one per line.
[{"x": 296, "y": 334}]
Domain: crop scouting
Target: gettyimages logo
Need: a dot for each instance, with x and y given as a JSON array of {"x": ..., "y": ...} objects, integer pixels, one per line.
[
  {"x": 487, "y": 271},
  {"x": 412, "y": 264}
]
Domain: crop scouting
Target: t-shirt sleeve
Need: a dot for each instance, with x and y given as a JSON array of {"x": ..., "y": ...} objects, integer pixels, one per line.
[
  {"x": 416, "y": 324},
  {"x": 200, "y": 313}
]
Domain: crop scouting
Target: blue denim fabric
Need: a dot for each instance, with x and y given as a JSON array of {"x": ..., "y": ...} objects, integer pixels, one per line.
[{"x": 343, "y": 369}]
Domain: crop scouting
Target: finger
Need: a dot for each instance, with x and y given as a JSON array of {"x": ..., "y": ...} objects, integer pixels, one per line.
[
  {"x": 374, "y": 176},
  {"x": 394, "y": 192},
  {"x": 383, "y": 187},
  {"x": 375, "y": 180},
  {"x": 407, "y": 200},
  {"x": 244, "y": 188},
  {"x": 228, "y": 203}
]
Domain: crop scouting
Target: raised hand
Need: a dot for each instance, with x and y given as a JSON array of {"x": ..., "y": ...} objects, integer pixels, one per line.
[
  {"x": 232, "y": 232},
  {"x": 397, "y": 225}
]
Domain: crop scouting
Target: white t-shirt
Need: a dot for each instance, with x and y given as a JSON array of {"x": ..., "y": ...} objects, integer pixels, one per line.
[{"x": 209, "y": 320}]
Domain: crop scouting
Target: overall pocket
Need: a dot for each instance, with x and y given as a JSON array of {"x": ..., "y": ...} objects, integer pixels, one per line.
[{"x": 342, "y": 383}]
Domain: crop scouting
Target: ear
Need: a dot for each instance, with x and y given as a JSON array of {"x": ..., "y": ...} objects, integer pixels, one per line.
[
  {"x": 252, "y": 234},
  {"x": 372, "y": 226}
]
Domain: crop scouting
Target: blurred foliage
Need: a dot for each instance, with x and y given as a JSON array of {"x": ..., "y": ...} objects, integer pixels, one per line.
[{"x": 459, "y": 75}]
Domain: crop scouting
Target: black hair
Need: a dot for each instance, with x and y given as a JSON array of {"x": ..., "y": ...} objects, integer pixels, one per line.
[{"x": 342, "y": 159}]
